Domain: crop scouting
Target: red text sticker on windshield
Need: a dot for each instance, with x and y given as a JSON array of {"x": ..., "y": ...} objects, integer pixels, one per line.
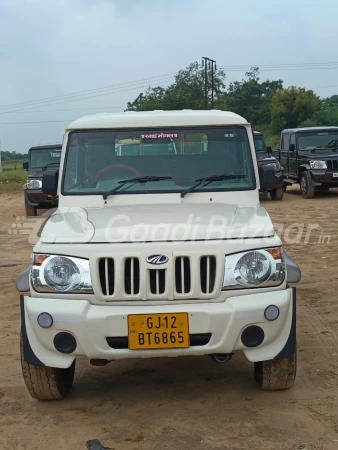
[{"x": 159, "y": 136}]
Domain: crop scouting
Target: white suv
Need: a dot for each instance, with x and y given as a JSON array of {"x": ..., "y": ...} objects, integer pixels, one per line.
[{"x": 161, "y": 249}]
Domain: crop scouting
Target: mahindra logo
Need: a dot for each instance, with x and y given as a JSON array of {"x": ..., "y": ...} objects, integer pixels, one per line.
[{"x": 157, "y": 259}]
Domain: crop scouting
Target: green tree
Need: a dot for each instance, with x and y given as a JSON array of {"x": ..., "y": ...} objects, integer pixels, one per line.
[
  {"x": 327, "y": 115},
  {"x": 293, "y": 106},
  {"x": 252, "y": 99},
  {"x": 187, "y": 91}
]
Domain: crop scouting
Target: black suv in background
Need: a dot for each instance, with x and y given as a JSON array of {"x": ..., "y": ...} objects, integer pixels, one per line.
[
  {"x": 310, "y": 158},
  {"x": 264, "y": 156},
  {"x": 40, "y": 158}
]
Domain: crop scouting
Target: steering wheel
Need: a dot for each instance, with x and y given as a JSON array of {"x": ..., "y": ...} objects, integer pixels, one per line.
[{"x": 130, "y": 169}]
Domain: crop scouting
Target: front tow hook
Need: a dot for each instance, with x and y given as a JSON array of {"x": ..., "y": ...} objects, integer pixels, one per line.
[{"x": 222, "y": 358}]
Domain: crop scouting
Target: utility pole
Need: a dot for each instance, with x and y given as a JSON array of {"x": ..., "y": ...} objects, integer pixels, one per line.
[{"x": 208, "y": 63}]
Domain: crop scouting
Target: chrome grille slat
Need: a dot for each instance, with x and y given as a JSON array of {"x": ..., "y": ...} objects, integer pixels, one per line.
[
  {"x": 182, "y": 275},
  {"x": 106, "y": 274},
  {"x": 157, "y": 282},
  {"x": 207, "y": 274},
  {"x": 132, "y": 276}
]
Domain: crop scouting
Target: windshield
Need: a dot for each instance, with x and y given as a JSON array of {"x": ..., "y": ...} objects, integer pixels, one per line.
[
  {"x": 312, "y": 140},
  {"x": 260, "y": 144},
  {"x": 97, "y": 161},
  {"x": 42, "y": 158}
]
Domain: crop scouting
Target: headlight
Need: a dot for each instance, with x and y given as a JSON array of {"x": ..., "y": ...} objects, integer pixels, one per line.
[
  {"x": 52, "y": 273},
  {"x": 33, "y": 184},
  {"x": 318, "y": 165},
  {"x": 256, "y": 268}
]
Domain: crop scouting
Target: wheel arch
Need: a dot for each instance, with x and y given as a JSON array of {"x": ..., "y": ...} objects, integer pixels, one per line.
[{"x": 301, "y": 169}]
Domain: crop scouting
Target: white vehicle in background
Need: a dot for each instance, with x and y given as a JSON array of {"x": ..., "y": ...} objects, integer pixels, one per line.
[{"x": 157, "y": 254}]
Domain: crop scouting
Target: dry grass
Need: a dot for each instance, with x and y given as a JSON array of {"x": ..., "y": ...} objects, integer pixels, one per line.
[
  {"x": 10, "y": 186},
  {"x": 12, "y": 172}
]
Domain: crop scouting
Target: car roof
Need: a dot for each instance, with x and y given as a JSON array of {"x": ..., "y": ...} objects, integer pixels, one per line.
[
  {"x": 302, "y": 130},
  {"x": 258, "y": 133},
  {"x": 131, "y": 119},
  {"x": 47, "y": 147}
]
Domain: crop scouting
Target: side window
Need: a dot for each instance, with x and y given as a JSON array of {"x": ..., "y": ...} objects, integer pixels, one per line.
[
  {"x": 72, "y": 177},
  {"x": 282, "y": 142},
  {"x": 293, "y": 140},
  {"x": 286, "y": 142}
]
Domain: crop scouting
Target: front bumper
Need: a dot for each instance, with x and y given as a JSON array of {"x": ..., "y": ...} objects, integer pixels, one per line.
[
  {"x": 35, "y": 197},
  {"x": 324, "y": 177},
  {"x": 91, "y": 325}
]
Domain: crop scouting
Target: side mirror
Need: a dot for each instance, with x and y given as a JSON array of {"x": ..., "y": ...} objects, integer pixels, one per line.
[
  {"x": 25, "y": 165},
  {"x": 267, "y": 177},
  {"x": 269, "y": 150},
  {"x": 292, "y": 148},
  {"x": 50, "y": 181}
]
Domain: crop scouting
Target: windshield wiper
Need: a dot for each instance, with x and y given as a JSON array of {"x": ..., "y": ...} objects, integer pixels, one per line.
[
  {"x": 51, "y": 164},
  {"x": 211, "y": 179},
  {"x": 325, "y": 147},
  {"x": 133, "y": 180}
]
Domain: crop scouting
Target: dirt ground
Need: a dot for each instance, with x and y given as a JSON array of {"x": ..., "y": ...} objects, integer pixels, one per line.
[{"x": 190, "y": 403}]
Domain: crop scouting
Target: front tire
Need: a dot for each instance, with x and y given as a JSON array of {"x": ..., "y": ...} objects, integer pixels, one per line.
[
  {"x": 307, "y": 188},
  {"x": 276, "y": 374},
  {"x": 47, "y": 383},
  {"x": 278, "y": 193},
  {"x": 31, "y": 211}
]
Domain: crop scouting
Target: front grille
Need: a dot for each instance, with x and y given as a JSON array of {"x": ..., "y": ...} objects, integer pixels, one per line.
[
  {"x": 332, "y": 164},
  {"x": 196, "y": 340},
  {"x": 187, "y": 276},
  {"x": 207, "y": 274},
  {"x": 132, "y": 276},
  {"x": 107, "y": 275},
  {"x": 157, "y": 280},
  {"x": 182, "y": 275}
]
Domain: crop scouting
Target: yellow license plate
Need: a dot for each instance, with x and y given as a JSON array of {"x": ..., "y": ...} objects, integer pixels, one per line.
[{"x": 158, "y": 331}]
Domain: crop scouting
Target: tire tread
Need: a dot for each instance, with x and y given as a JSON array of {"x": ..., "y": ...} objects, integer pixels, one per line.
[
  {"x": 277, "y": 374},
  {"x": 44, "y": 383}
]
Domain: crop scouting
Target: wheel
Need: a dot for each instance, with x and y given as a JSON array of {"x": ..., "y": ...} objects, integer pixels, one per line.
[
  {"x": 306, "y": 187},
  {"x": 47, "y": 383},
  {"x": 277, "y": 194},
  {"x": 263, "y": 195},
  {"x": 276, "y": 374},
  {"x": 324, "y": 187},
  {"x": 31, "y": 211}
]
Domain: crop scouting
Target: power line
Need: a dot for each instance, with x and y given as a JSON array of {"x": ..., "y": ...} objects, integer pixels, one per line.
[
  {"x": 38, "y": 122},
  {"x": 139, "y": 86},
  {"x": 283, "y": 67},
  {"x": 284, "y": 64},
  {"x": 156, "y": 79}
]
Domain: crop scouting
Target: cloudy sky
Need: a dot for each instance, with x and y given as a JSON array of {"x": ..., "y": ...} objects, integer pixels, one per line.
[{"x": 50, "y": 49}]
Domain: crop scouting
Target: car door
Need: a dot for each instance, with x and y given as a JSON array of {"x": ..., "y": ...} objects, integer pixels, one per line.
[
  {"x": 284, "y": 152},
  {"x": 293, "y": 157}
]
